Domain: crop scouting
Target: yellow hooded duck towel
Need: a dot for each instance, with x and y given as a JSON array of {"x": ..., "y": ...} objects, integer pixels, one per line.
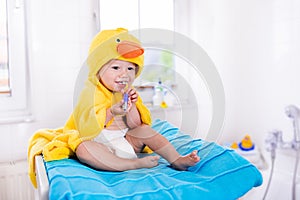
[{"x": 89, "y": 115}]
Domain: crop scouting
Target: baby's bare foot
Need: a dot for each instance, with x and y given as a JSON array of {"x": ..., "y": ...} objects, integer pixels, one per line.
[
  {"x": 186, "y": 161},
  {"x": 147, "y": 162}
]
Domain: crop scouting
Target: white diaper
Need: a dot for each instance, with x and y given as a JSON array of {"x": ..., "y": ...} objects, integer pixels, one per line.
[{"x": 116, "y": 142}]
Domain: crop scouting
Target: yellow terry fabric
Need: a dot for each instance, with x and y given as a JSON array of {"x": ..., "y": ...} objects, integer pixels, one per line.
[
  {"x": 89, "y": 115},
  {"x": 54, "y": 144}
]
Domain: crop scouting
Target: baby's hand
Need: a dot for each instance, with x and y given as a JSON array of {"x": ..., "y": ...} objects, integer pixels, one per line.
[
  {"x": 117, "y": 109},
  {"x": 132, "y": 95}
]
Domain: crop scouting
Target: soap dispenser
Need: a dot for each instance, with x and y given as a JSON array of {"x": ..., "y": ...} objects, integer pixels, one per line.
[{"x": 158, "y": 96}]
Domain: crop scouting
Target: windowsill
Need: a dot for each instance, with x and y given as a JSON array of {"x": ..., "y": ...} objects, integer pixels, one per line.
[
  {"x": 170, "y": 108},
  {"x": 145, "y": 87},
  {"x": 4, "y": 93},
  {"x": 16, "y": 119}
]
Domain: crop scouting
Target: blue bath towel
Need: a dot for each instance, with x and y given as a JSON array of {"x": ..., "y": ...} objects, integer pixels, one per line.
[{"x": 220, "y": 174}]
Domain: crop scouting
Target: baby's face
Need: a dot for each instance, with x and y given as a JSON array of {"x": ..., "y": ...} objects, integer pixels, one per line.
[{"x": 116, "y": 74}]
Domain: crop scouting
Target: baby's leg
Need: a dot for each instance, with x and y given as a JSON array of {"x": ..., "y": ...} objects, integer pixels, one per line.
[
  {"x": 145, "y": 135},
  {"x": 100, "y": 157}
]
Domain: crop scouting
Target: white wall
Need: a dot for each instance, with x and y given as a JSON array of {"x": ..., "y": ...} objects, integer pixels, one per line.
[
  {"x": 59, "y": 34},
  {"x": 253, "y": 44},
  {"x": 255, "y": 47}
]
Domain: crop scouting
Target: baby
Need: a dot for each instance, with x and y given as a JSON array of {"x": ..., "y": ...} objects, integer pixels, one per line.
[{"x": 114, "y": 129}]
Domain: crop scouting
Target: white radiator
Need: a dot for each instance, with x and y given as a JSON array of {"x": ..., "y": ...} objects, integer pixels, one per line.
[{"x": 14, "y": 181}]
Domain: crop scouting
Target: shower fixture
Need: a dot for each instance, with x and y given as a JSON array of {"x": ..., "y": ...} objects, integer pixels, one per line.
[
  {"x": 293, "y": 113},
  {"x": 274, "y": 141}
]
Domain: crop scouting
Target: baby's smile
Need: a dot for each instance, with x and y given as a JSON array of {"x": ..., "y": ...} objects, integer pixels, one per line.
[{"x": 122, "y": 84}]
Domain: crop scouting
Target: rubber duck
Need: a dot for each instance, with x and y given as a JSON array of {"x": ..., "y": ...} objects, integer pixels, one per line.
[
  {"x": 163, "y": 104},
  {"x": 246, "y": 144},
  {"x": 234, "y": 145}
]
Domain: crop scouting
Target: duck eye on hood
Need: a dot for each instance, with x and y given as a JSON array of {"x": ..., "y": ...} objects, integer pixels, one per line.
[{"x": 118, "y": 40}]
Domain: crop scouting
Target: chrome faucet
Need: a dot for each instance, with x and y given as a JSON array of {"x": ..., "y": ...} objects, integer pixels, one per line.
[{"x": 274, "y": 139}]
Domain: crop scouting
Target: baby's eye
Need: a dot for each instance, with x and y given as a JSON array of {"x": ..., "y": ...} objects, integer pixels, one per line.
[
  {"x": 131, "y": 68},
  {"x": 115, "y": 67}
]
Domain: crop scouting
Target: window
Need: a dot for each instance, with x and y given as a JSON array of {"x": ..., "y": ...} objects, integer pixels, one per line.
[
  {"x": 4, "y": 81},
  {"x": 14, "y": 82},
  {"x": 139, "y": 14}
]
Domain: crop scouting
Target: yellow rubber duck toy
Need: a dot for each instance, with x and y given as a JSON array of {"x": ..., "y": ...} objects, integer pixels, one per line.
[
  {"x": 163, "y": 104},
  {"x": 234, "y": 145},
  {"x": 246, "y": 144}
]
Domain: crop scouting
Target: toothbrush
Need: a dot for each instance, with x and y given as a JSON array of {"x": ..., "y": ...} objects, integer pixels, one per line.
[{"x": 125, "y": 97}]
